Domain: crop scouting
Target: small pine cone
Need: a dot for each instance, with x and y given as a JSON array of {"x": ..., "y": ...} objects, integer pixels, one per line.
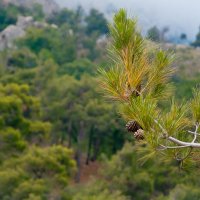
[
  {"x": 132, "y": 126},
  {"x": 139, "y": 134}
]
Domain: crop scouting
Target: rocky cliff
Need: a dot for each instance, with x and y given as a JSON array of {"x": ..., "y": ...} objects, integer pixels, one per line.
[{"x": 13, "y": 32}]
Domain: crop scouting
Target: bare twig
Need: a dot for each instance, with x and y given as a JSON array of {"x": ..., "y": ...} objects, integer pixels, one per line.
[
  {"x": 195, "y": 133},
  {"x": 192, "y": 132},
  {"x": 181, "y": 144},
  {"x": 171, "y": 147}
]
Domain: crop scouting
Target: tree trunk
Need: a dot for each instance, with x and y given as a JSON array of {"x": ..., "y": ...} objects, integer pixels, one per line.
[
  {"x": 78, "y": 154},
  {"x": 96, "y": 145},
  {"x": 69, "y": 129},
  {"x": 89, "y": 146}
]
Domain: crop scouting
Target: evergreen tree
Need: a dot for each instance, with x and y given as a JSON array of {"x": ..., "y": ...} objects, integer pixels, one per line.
[
  {"x": 29, "y": 167},
  {"x": 183, "y": 36},
  {"x": 154, "y": 34},
  {"x": 196, "y": 43},
  {"x": 96, "y": 22}
]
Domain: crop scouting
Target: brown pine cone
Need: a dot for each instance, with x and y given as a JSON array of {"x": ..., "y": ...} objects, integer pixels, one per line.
[
  {"x": 139, "y": 134},
  {"x": 133, "y": 126}
]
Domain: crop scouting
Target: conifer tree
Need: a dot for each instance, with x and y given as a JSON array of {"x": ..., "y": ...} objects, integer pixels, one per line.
[
  {"x": 196, "y": 43},
  {"x": 138, "y": 81}
]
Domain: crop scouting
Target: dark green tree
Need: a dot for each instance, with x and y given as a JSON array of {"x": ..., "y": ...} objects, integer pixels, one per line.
[
  {"x": 8, "y": 16},
  {"x": 77, "y": 101},
  {"x": 58, "y": 42},
  {"x": 196, "y": 43},
  {"x": 21, "y": 58},
  {"x": 154, "y": 34},
  {"x": 65, "y": 16},
  {"x": 183, "y": 36},
  {"x": 10, "y": 12},
  {"x": 77, "y": 68},
  {"x": 96, "y": 22}
]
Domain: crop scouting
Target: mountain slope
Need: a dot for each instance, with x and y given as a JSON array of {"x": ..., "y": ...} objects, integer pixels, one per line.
[{"x": 49, "y": 6}]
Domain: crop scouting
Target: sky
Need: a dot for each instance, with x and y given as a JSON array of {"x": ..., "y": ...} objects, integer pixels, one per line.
[{"x": 181, "y": 16}]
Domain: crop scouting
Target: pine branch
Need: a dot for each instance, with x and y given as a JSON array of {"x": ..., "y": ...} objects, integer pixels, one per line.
[{"x": 138, "y": 80}]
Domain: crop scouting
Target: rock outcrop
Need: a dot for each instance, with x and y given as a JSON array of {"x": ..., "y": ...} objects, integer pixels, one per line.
[
  {"x": 12, "y": 32},
  {"x": 8, "y": 35}
]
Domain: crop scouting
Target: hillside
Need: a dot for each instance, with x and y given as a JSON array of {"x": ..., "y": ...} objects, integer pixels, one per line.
[
  {"x": 187, "y": 66},
  {"x": 57, "y": 129},
  {"x": 188, "y": 61},
  {"x": 49, "y": 6}
]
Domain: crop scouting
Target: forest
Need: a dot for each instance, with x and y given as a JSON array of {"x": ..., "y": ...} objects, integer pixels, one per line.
[{"x": 60, "y": 137}]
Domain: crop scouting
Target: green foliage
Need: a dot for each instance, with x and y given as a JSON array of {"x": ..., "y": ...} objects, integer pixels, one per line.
[
  {"x": 12, "y": 143},
  {"x": 143, "y": 110},
  {"x": 196, "y": 43},
  {"x": 88, "y": 108},
  {"x": 27, "y": 171},
  {"x": 37, "y": 12},
  {"x": 131, "y": 59},
  {"x": 113, "y": 83},
  {"x": 10, "y": 12},
  {"x": 183, "y": 87},
  {"x": 123, "y": 31},
  {"x": 22, "y": 58},
  {"x": 96, "y": 191},
  {"x": 50, "y": 96},
  {"x": 154, "y": 34},
  {"x": 65, "y": 16},
  {"x": 138, "y": 80},
  {"x": 50, "y": 99},
  {"x": 77, "y": 68},
  {"x": 96, "y": 22},
  {"x": 18, "y": 123},
  {"x": 182, "y": 192},
  {"x": 183, "y": 36},
  {"x": 9, "y": 180},
  {"x": 7, "y": 17},
  {"x": 38, "y": 172},
  {"x": 45, "y": 72},
  {"x": 195, "y": 105},
  {"x": 157, "y": 84},
  {"x": 124, "y": 173},
  {"x": 52, "y": 40}
]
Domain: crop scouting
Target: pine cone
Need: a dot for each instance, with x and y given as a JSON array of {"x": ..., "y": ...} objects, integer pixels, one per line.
[
  {"x": 139, "y": 134},
  {"x": 133, "y": 126}
]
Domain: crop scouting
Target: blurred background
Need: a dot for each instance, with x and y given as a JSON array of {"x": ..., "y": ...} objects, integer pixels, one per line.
[
  {"x": 60, "y": 139},
  {"x": 173, "y": 14}
]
